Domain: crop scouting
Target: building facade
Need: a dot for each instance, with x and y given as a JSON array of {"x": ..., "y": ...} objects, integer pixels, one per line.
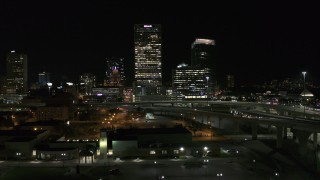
[
  {"x": 87, "y": 82},
  {"x": 44, "y": 78},
  {"x": 115, "y": 72},
  {"x": 230, "y": 81},
  {"x": 148, "y": 65},
  {"x": 192, "y": 82},
  {"x": 17, "y": 73},
  {"x": 202, "y": 53}
]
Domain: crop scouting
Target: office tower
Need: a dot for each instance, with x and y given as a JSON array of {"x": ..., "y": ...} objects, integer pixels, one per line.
[
  {"x": 3, "y": 86},
  {"x": 147, "y": 48},
  {"x": 202, "y": 53},
  {"x": 87, "y": 82},
  {"x": 115, "y": 72},
  {"x": 44, "y": 78},
  {"x": 230, "y": 81},
  {"x": 17, "y": 73},
  {"x": 192, "y": 82}
]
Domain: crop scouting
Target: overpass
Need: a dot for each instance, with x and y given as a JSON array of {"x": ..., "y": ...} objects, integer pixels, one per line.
[
  {"x": 302, "y": 123},
  {"x": 302, "y": 128}
]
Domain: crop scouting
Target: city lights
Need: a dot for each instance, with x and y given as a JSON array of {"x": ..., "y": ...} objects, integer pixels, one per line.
[{"x": 154, "y": 90}]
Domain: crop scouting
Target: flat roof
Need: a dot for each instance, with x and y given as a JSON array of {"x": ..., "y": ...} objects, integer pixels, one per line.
[
  {"x": 117, "y": 137},
  {"x": 146, "y": 131},
  {"x": 22, "y": 133},
  {"x": 21, "y": 139},
  {"x": 43, "y": 123}
]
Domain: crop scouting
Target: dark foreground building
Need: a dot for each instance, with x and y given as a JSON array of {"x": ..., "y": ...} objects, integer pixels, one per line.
[{"x": 157, "y": 142}]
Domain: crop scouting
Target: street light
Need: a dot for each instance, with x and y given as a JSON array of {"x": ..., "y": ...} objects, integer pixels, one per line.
[
  {"x": 155, "y": 162},
  {"x": 49, "y": 84},
  {"x": 207, "y": 77},
  {"x": 205, "y": 150},
  {"x": 304, "y": 91},
  {"x": 206, "y": 162}
]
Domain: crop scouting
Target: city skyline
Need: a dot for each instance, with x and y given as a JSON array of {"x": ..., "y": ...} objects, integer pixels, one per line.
[{"x": 256, "y": 43}]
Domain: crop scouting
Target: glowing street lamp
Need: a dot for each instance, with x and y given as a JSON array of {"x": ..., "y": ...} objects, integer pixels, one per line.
[
  {"x": 205, "y": 150},
  {"x": 206, "y": 162},
  {"x": 49, "y": 84},
  {"x": 207, "y": 77},
  {"x": 304, "y": 91},
  {"x": 155, "y": 163}
]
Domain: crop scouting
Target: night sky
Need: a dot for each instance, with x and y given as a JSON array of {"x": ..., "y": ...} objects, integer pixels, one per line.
[{"x": 255, "y": 42}]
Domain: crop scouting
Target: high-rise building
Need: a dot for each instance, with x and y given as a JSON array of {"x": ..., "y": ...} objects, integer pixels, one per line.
[
  {"x": 17, "y": 73},
  {"x": 115, "y": 72},
  {"x": 87, "y": 82},
  {"x": 192, "y": 82},
  {"x": 44, "y": 78},
  {"x": 202, "y": 53},
  {"x": 147, "y": 48},
  {"x": 230, "y": 81},
  {"x": 3, "y": 86}
]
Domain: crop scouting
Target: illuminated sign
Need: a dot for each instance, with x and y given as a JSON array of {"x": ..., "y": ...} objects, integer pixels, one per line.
[{"x": 147, "y": 26}]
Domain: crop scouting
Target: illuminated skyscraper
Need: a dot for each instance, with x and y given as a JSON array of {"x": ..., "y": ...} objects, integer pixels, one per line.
[
  {"x": 147, "y": 48},
  {"x": 44, "y": 78},
  {"x": 192, "y": 82},
  {"x": 115, "y": 72},
  {"x": 17, "y": 73},
  {"x": 202, "y": 54}
]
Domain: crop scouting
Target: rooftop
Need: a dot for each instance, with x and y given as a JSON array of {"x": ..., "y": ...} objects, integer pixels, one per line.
[
  {"x": 43, "y": 123},
  {"x": 146, "y": 131},
  {"x": 21, "y": 139},
  {"x": 22, "y": 133}
]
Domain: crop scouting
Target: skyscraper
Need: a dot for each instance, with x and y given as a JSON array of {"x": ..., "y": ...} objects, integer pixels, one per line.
[
  {"x": 17, "y": 73},
  {"x": 147, "y": 48},
  {"x": 115, "y": 72},
  {"x": 230, "y": 81},
  {"x": 87, "y": 82},
  {"x": 192, "y": 82},
  {"x": 202, "y": 54},
  {"x": 44, "y": 78}
]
